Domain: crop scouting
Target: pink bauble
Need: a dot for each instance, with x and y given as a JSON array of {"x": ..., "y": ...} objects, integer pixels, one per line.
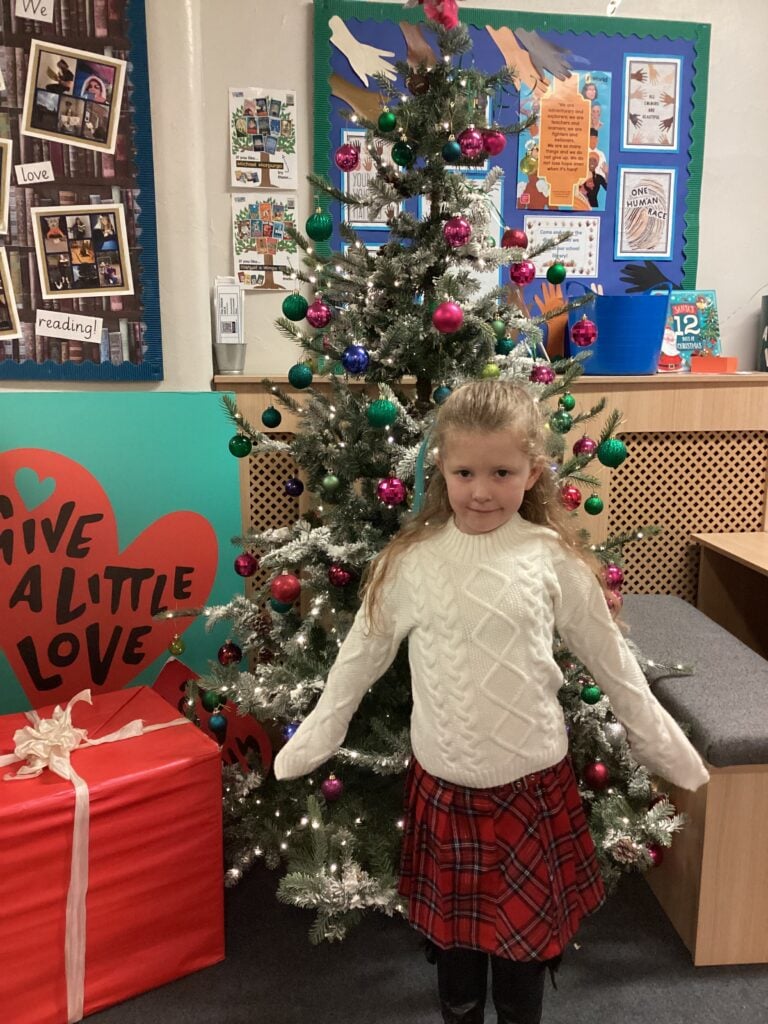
[
  {"x": 614, "y": 600},
  {"x": 570, "y": 496},
  {"x": 522, "y": 273},
  {"x": 613, "y": 576},
  {"x": 457, "y": 231},
  {"x": 596, "y": 775},
  {"x": 471, "y": 143},
  {"x": 493, "y": 141},
  {"x": 391, "y": 491},
  {"x": 514, "y": 238},
  {"x": 332, "y": 788},
  {"x": 583, "y": 332},
  {"x": 246, "y": 564},
  {"x": 585, "y": 446},
  {"x": 448, "y": 317},
  {"x": 347, "y": 157},
  {"x": 318, "y": 314},
  {"x": 656, "y": 853},
  {"x": 338, "y": 576},
  {"x": 542, "y": 374},
  {"x": 285, "y": 588}
]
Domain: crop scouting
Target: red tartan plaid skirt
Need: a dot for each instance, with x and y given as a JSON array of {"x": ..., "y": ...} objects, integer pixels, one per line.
[{"x": 510, "y": 870}]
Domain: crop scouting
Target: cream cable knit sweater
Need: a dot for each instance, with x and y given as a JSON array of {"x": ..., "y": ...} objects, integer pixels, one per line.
[{"x": 479, "y": 612}]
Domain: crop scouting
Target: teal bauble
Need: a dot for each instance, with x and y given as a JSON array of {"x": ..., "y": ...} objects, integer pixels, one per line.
[
  {"x": 593, "y": 506},
  {"x": 295, "y": 306},
  {"x": 504, "y": 346},
  {"x": 211, "y": 700},
  {"x": 612, "y": 452},
  {"x": 300, "y": 376},
  {"x": 561, "y": 421},
  {"x": 440, "y": 394},
  {"x": 402, "y": 153},
  {"x": 319, "y": 226},
  {"x": 567, "y": 401},
  {"x": 279, "y": 606},
  {"x": 556, "y": 273},
  {"x": 499, "y": 329},
  {"x": 382, "y": 413},
  {"x": 590, "y": 693},
  {"x": 451, "y": 151},
  {"x": 240, "y": 446},
  {"x": 387, "y": 121},
  {"x": 271, "y": 417}
]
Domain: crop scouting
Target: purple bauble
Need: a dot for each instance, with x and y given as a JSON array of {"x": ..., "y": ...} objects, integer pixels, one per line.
[
  {"x": 471, "y": 143},
  {"x": 347, "y": 157},
  {"x": 542, "y": 374},
  {"x": 229, "y": 654},
  {"x": 318, "y": 314},
  {"x": 448, "y": 317},
  {"x": 338, "y": 576},
  {"x": 583, "y": 332},
  {"x": 570, "y": 496},
  {"x": 521, "y": 273},
  {"x": 457, "y": 231},
  {"x": 391, "y": 491},
  {"x": 246, "y": 564},
  {"x": 613, "y": 576},
  {"x": 585, "y": 446},
  {"x": 293, "y": 487},
  {"x": 493, "y": 141},
  {"x": 332, "y": 788}
]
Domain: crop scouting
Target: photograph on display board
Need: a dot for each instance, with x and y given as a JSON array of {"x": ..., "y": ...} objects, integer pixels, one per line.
[
  {"x": 73, "y": 96},
  {"x": 82, "y": 251},
  {"x": 651, "y": 103},
  {"x": 6, "y": 159},
  {"x": 262, "y": 138},
  {"x": 9, "y": 314},
  {"x": 645, "y": 216}
]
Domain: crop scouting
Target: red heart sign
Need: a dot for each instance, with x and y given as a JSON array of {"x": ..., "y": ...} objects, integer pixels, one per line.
[{"x": 76, "y": 611}]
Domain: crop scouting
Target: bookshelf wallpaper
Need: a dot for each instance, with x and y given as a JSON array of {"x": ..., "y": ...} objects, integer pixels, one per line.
[{"x": 129, "y": 347}]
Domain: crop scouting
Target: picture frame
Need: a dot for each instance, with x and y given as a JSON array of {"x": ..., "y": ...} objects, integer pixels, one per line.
[
  {"x": 6, "y": 160},
  {"x": 9, "y": 314},
  {"x": 645, "y": 213},
  {"x": 357, "y": 182},
  {"x": 651, "y": 103},
  {"x": 82, "y": 251},
  {"x": 73, "y": 96}
]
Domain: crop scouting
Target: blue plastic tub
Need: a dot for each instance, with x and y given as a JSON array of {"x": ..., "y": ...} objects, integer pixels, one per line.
[{"x": 630, "y": 329}]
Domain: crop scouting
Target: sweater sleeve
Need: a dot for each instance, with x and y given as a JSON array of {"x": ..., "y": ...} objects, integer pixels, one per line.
[
  {"x": 585, "y": 624},
  {"x": 363, "y": 657}
]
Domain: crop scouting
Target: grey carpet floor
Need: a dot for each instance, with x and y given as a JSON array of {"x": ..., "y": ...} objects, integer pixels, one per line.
[{"x": 627, "y": 966}]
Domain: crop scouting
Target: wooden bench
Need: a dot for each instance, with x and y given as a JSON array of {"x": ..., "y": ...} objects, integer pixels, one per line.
[{"x": 713, "y": 883}]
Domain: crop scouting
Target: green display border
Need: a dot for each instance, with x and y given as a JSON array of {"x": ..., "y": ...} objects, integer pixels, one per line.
[{"x": 699, "y": 33}]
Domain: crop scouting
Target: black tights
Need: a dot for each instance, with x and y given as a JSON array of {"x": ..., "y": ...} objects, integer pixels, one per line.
[{"x": 517, "y": 987}]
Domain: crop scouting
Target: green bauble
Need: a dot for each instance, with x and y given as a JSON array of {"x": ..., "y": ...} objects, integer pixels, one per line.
[
  {"x": 593, "y": 506},
  {"x": 300, "y": 376},
  {"x": 590, "y": 693},
  {"x": 271, "y": 417},
  {"x": 504, "y": 346},
  {"x": 382, "y": 413},
  {"x": 561, "y": 421},
  {"x": 319, "y": 226},
  {"x": 489, "y": 371},
  {"x": 240, "y": 446},
  {"x": 176, "y": 646},
  {"x": 387, "y": 121},
  {"x": 612, "y": 452},
  {"x": 330, "y": 483},
  {"x": 499, "y": 329},
  {"x": 567, "y": 401},
  {"x": 556, "y": 273},
  {"x": 295, "y": 306},
  {"x": 212, "y": 700},
  {"x": 402, "y": 153}
]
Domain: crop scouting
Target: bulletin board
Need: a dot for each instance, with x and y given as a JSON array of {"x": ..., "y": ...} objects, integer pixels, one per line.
[
  {"x": 79, "y": 295},
  {"x": 616, "y": 154}
]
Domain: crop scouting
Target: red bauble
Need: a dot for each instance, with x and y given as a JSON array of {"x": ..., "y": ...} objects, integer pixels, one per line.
[
  {"x": 285, "y": 588},
  {"x": 229, "y": 653},
  {"x": 542, "y": 374},
  {"x": 614, "y": 600},
  {"x": 338, "y": 576},
  {"x": 347, "y": 157},
  {"x": 656, "y": 853},
  {"x": 596, "y": 775},
  {"x": 613, "y": 576},
  {"x": 583, "y": 332},
  {"x": 246, "y": 564},
  {"x": 332, "y": 788},
  {"x": 570, "y": 496},
  {"x": 457, "y": 231},
  {"x": 391, "y": 491},
  {"x": 448, "y": 317},
  {"x": 493, "y": 141},
  {"x": 471, "y": 143},
  {"x": 514, "y": 238},
  {"x": 585, "y": 446},
  {"x": 318, "y": 314},
  {"x": 522, "y": 273}
]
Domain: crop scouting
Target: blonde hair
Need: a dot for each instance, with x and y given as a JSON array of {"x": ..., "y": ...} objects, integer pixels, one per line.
[{"x": 484, "y": 406}]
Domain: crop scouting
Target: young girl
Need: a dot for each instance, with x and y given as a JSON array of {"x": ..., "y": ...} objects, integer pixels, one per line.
[{"x": 497, "y": 858}]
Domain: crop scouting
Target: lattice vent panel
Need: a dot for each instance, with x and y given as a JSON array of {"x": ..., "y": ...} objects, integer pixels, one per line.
[
  {"x": 268, "y": 505},
  {"x": 706, "y": 482}
]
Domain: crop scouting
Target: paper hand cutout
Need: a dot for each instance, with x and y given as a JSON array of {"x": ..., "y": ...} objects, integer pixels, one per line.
[
  {"x": 642, "y": 276},
  {"x": 544, "y": 55},
  {"x": 363, "y": 59}
]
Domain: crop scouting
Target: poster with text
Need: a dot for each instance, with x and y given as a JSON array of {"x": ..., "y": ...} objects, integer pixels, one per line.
[
  {"x": 263, "y": 249},
  {"x": 645, "y": 213},
  {"x": 262, "y": 132},
  {"x": 357, "y": 182},
  {"x": 651, "y": 103}
]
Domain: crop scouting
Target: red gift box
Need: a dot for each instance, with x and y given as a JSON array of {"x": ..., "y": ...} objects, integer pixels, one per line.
[{"x": 154, "y": 905}]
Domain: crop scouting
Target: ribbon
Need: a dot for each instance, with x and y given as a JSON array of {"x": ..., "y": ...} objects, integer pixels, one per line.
[{"x": 48, "y": 743}]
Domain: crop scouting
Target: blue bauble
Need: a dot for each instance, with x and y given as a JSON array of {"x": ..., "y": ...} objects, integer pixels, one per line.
[
  {"x": 218, "y": 725},
  {"x": 355, "y": 359},
  {"x": 451, "y": 151},
  {"x": 440, "y": 394},
  {"x": 290, "y": 729}
]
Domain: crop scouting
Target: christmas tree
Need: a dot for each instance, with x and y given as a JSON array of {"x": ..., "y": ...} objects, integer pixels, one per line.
[{"x": 395, "y": 332}]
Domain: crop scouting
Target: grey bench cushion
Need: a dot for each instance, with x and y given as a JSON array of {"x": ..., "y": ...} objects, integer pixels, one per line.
[{"x": 725, "y": 701}]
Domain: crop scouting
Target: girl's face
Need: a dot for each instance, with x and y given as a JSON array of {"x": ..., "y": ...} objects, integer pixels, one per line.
[{"x": 487, "y": 475}]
